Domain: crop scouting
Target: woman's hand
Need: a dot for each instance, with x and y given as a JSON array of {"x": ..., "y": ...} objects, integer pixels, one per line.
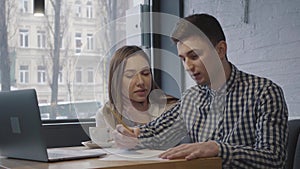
[
  {"x": 125, "y": 138},
  {"x": 192, "y": 151}
]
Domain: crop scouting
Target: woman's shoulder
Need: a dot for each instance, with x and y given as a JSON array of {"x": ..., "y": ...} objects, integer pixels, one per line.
[
  {"x": 103, "y": 110},
  {"x": 105, "y": 114}
]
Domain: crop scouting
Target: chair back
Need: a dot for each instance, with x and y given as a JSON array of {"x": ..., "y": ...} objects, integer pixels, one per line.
[{"x": 293, "y": 156}]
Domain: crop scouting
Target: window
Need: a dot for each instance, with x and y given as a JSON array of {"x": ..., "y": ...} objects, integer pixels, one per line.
[
  {"x": 83, "y": 53},
  {"x": 78, "y": 9},
  {"x": 41, "y": 73},
  {"x": 90, "y": 75},
  {"x": 23, "y": 38},
  {"x": 90, "y": 42},
  {"x": 78, "y": 75},
  {"x": 89, "y": 10},
  {"x": 24, "y": 74},
  {"x": 24, "y": 6},
  {"x": 41, "y": 39},
  {"x": 78, "y": 43}
]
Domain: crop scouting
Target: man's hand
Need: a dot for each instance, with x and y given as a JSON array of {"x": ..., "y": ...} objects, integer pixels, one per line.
[
  {"x": 192, "y": 151},
  {"x": 124, "y": 138}
]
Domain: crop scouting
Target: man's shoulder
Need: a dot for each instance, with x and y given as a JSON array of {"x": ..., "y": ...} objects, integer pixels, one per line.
[{"x": 255, "y": 81}]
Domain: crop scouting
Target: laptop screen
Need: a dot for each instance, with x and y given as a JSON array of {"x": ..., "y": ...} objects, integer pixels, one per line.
[{"x": 20, "y": 130}]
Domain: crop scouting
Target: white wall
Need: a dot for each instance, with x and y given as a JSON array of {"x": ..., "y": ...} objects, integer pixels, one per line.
[{"x": 268, "y": 45}]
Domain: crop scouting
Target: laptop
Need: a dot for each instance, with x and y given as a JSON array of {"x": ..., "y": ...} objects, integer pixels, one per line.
[{"x": 21, "y": 131}]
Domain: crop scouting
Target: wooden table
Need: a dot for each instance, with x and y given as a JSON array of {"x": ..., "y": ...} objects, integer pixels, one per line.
[{"x": 205, "y": 163}]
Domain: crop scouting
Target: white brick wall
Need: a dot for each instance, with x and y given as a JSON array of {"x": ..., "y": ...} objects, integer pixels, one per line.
[{"x": 268, "y": 45}]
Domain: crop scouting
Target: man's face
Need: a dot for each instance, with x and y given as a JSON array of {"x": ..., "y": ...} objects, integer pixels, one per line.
[{"x": 199, "y": 59}]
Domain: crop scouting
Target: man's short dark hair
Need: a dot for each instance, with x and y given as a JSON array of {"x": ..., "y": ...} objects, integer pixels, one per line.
[{"x": 198, "y": 24}]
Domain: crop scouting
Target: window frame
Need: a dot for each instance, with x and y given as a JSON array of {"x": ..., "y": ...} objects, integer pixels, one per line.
[
  {"x": 41, "y": 39},
  {"x": 78, "y": 75},
  {"x": 78, "y": 9},
  {"x": 90, "y": 75},
  {"x": 90, "y": 41},
  {"x": 25, "y": 6},
  {"x": 177, "y": 72},
  {"x": 24, "y": 38},
  {"x": 89, "y": 10},
  {"x": 78, "y": 43},
  {"x": 41, "y": 74},
  {"x": 24, "y": 74}
]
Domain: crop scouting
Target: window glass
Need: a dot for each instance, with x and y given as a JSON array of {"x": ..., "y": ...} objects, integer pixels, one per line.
[
  {"x": 23, "y": 38},
  {"x": 41, "y": 74},
  {"x": 90, "y": 41},
  {"x": 78, "y": 43},
  {"x": 65, "y": 55},
  {"x": 89, "y": 10},
  {"x": 41, "y": 39},
  {"x": 24, "y": 74},
  {"x": 78, "y": 9},
  {"x": 78, "y": 75},
  {"x": 90, "y": 75},
  {"x": 24, "y": 6}
]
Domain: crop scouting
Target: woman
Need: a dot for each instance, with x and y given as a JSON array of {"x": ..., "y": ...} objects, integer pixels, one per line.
[{"x": 133, "y": 95}]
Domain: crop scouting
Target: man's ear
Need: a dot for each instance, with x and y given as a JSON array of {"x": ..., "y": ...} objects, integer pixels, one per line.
[{"x": 221, "y": 48}]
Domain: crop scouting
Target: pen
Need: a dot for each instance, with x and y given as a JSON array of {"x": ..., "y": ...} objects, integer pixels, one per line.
[{"x": 120, "y": 120}]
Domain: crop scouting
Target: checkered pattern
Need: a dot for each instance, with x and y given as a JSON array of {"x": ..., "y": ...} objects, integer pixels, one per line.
[{"x": 248, "y": 121}]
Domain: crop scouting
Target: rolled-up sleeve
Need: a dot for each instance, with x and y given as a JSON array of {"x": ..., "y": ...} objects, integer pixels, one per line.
[{"x": 164, "y": 132}]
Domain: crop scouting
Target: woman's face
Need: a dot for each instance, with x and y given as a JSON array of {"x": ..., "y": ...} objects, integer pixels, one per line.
[{"x": 137, "y": 79}]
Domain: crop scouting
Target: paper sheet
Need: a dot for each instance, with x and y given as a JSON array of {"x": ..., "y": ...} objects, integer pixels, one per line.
[{"x": 132, "y": 155}]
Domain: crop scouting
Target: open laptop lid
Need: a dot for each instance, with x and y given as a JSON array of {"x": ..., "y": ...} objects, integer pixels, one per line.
[{"x": 20, "y": 130}]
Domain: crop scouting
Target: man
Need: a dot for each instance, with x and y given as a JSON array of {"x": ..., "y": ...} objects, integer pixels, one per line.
[{"x": 239, "y": 117}]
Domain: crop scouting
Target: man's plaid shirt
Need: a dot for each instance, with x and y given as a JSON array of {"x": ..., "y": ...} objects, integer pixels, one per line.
[{"x": 248, "y": 121}]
